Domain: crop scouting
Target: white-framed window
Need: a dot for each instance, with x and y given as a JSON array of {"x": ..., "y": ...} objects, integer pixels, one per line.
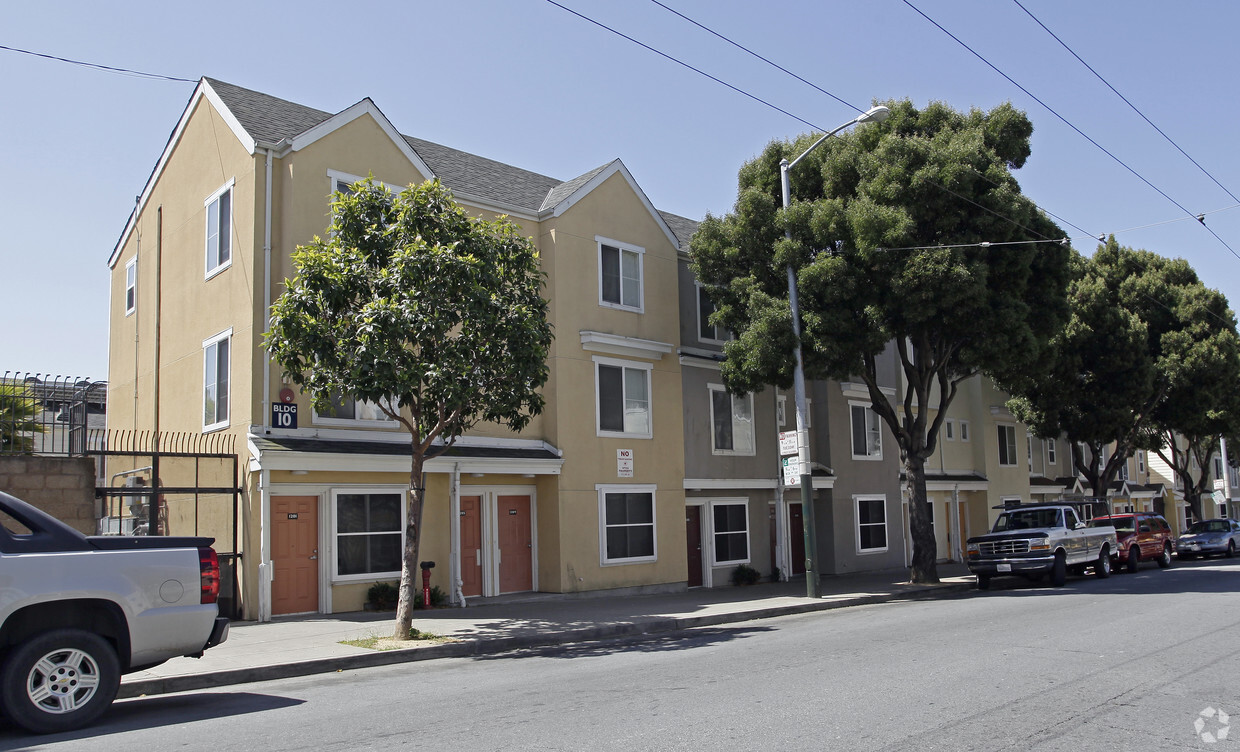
[
  {"x": 622, "y": 398},
  {"x": 1050, "y": 452},
  {"x": 620, "y": 275},
  {"x": 368, "y": 527},
  {"x": 731, "y": 421},
  {"x": 1123, "y": 471},
  {"x": 867, "y": 432},
  {"x": 949, "y": 429},
  {"x": 1029, "y": 450},
  {"x": 871, "y": 515},
  {"x": 131, "y": 285},
  {"x": 346, "y": 411},
  {"x": 730, "y": 529},
  {"x": 1141, "y": 461},
  {"x": 216, "y": 357},
  {"x": 786, "y": 419},
  {"x": 964, "y": 430},
  {"x": 1218, "y": 468},
  {"x": 626, "y": 524},
  {"x": 219, "y": 230},
  {"x": 707, "y": 332},
  {"x": 1007, "y": 445}
]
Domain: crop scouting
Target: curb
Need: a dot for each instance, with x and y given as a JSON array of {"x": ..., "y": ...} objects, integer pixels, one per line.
[{"x": 492, "y": 646}]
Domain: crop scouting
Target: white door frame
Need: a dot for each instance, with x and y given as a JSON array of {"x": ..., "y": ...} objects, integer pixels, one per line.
[{"x": 490, "y": 538}]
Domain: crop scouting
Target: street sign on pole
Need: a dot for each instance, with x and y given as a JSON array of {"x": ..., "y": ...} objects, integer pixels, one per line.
[
  {"x": 792, "y": 471},
  {"x": 787, "y": 442}
]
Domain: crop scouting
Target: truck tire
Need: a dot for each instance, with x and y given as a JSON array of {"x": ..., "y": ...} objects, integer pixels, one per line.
[
  {"x": 1102, "y": 567},
  {"x": 1134, "y": 558},
  {"x": 1164, "y": 559},
  {"x": 1059, "y": 570},
  {"x": 59, "y": 680},
  {"x": 983, "y": 582}
]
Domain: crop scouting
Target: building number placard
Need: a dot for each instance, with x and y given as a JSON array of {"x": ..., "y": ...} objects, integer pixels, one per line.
[{"x": 283, "y": 415}]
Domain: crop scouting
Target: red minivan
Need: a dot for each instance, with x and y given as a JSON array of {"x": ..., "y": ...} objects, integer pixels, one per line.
[{"x": 1141, "y": 537}]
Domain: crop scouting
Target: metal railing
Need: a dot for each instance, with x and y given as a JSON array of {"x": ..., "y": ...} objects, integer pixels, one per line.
[{"x": 51, "y": 415}]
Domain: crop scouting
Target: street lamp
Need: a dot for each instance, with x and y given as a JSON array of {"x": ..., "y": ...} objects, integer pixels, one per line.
[{"x": 813, "y": 587}]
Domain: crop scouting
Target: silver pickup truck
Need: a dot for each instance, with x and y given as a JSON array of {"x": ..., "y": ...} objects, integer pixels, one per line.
[
  {"x": 76, "y": 612},
  {"x": 1041, "y": 539}
]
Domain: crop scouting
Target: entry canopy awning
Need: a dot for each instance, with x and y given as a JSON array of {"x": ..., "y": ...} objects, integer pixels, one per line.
[{"x": 333, "y": 455}]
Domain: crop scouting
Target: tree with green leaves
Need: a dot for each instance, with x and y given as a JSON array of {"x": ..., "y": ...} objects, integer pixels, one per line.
[
  {"x": 434, "y": 316},
  {"x": 1148, "y": 351},
  {"x": 912, "y": 234},
  {"x": 18, "y": 412}
]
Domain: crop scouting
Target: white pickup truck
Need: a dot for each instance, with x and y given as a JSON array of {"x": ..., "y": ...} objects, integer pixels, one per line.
[
  {"x": 77, "y": 612},
  {"x": 1035, "y": 540}
]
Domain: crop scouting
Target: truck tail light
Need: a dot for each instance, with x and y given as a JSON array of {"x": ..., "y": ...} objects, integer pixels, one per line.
[{"x": 209, "y": 568}]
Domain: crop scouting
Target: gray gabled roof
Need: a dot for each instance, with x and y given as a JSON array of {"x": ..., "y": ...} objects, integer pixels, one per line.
[{"x": 270, "y": 120}]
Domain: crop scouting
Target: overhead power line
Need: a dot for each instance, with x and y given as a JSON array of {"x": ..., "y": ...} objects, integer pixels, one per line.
[
  {"x": 1126, "y": 101},
  {"x": 97, "y": 66},
  {"x": 1071, "y": 125}
]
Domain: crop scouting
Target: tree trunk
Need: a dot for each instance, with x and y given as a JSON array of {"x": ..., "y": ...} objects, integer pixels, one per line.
[
  {"x": 410, "y": 572},
  {"x": 924, "y": 569}
]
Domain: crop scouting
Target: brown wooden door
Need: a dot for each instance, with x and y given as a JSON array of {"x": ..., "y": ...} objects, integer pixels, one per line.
[
  {"x": 471, "y": 545},
  {"x": 294, "y": 554},
  {"x": 796, "y": 538},
  {"x": 693, "y": 544},
  {"x": 516, "y": 544}
]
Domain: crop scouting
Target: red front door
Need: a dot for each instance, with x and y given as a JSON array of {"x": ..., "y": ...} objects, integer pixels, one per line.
[
  {"x": 294, "y": 554},
  {"x": 693, "y": 544},
  {"x": 471, "y": 545},
  {"x": 516, "y": 544}
]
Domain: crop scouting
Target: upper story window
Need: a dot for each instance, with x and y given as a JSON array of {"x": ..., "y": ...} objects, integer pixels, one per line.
[
  {"x": 344, "y": 410},
  {"x": 622, "y": 398},
  {"x": 219, "y": 229},
  {"x": 1141, "y": 461},
  {"x": 620, "y": 275},
  {"x": 1050, "y": 452},
  {"x": 731, "y": 420},
  {"x": 867, "y": 433},
  {"x": 964, "y": 430},
  {"x": 216, "y": 353},
  {"x": 949, "y": 429},
  {"x": 1029, "y": 450},
  {"x": 1123, "y": 471},
  {"x": 131, "y": 285},
  {"x": 1007, "y": 446},
  {"x": 782, "y": 416},
  {"x": 706, "y": 331}
]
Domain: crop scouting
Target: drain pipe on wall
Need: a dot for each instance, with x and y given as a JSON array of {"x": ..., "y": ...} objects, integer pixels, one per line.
[
  {"x": 265, "y": 573},
  {"x": 454, "y": 557},
  {"x": 267, "y": 299}
]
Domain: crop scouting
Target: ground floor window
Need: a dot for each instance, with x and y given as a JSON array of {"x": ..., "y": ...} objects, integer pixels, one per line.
[
  {"x": 730, "y": 522},
  {"x": 871, "y": 523},
  {"x": 369, "y": 533},
  {"x": 627, "y": 532}
]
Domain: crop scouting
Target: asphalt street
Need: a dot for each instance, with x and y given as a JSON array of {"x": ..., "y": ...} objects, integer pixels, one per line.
[{"x": 1136, "y": 662}]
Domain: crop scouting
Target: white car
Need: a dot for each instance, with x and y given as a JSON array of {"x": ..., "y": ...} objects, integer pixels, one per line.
[{"x": 1209, "y": 537}]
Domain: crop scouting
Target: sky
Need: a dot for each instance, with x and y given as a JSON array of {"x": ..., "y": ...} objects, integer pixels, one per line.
[{"x": 535, "y": 84}]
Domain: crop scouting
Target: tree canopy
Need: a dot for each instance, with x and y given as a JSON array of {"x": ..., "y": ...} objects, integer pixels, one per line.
[
  {"x": 1148, "y": 350},
  {"x": 910, "y": 232},
  {"x": 18, "y": 412},
  {"x": 433, "y": 315}
]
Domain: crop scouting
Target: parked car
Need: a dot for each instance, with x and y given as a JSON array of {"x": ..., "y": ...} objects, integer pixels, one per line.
[
  {"x": 1209, "y": 537},
  {"x": 1141, "y": 536}
]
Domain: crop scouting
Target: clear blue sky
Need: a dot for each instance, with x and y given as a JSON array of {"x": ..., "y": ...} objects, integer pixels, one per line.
[{"x": 527, "y": 83}]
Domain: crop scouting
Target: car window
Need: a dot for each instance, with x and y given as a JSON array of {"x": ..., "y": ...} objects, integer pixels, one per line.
[{"x": 1121, "y": 524}]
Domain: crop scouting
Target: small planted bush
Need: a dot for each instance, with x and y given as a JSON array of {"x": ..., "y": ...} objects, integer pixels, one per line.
[{"x": 745, "y": 575}]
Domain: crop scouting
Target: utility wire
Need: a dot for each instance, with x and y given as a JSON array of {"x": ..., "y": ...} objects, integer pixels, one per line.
[
  {"x": 1068, "y": 123},
  {"x": 763, "y": 59},
  {"x": 97, "y": 66},
  {"x": 699, "y": 71},
  {"x": 1125, "y": 99}
]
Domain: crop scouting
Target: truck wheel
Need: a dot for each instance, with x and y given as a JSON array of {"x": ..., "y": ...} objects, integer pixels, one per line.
[
  {"x": 983, "y": 582},
  {"x": 59, "y": 681},
  {"x": 1164, "y": 560},
  {"x": 1059, "y": 570},
  {"x": 1134, "y": 557},
  {"x": 1102, "y": 567}
]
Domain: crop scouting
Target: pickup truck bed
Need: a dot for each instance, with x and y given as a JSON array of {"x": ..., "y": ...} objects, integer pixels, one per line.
[{"x": 77, "y": 612}]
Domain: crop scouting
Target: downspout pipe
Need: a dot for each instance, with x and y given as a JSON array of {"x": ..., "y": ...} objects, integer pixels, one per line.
[
  {"x": 454, "y": 558},
  {"x": 266, "y": 421}
]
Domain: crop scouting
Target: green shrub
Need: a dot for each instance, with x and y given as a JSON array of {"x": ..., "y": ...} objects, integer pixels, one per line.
[
  {"x": 382, "y": 596},
  {"x": 745, "y": 575}
]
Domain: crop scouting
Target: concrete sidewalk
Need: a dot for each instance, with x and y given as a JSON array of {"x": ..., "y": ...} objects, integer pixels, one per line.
[{"x": 301, "y": 645}]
